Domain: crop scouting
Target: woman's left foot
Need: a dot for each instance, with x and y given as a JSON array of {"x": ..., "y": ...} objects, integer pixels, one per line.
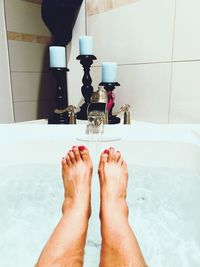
[{"x": 77, "y": 173}]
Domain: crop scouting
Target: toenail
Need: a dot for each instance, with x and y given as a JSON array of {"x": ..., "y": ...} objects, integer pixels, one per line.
[
  {"x": 81, "y": 148},
  {"x": 74, "y": 147},
  {"x": 118, "y": 151},
  {"x": 111, "y": 148},
  {"x": 70, "y": 151},
  {"x": 106, "y": 151}
]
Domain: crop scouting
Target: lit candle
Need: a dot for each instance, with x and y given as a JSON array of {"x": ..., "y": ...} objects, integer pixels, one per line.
[
  {"x": 57, "y": 57},
  {"x": 109, "y": 72},
  {"x": 86, "y": 45}
]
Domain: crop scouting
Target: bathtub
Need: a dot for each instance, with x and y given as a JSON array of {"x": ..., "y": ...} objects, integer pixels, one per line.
[{"x": 163, "y": 191}]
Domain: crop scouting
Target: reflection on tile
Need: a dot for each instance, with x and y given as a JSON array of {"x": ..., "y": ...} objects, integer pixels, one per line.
[
  {"x": 145, "y": 87},
  {"x": 138, "y": 33},
  {"x": 187, "y": 34},
  {"x": 185, "y": 94}
]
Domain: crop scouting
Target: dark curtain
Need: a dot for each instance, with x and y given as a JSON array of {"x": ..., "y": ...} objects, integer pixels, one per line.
[{"x": 60, "y": 16}]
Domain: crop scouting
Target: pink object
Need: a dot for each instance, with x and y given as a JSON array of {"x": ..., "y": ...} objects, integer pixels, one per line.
[
  {"x": 81, "y": 148},
  {"x": 111, "y": 98}
]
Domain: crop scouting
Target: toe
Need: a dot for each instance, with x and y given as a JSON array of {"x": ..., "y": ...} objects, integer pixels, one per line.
[
  {"x": 103, "y": 160},
  {"x": 64, "y": 163},
  {"x": 117, "y": 156},
  {"x": 68, "y": 160},
  {"x": 111, "y": 154},
  {"x": 120, "y": 160},
  {"x": 104, "y": 157},
  {"x": 84, "y": 153},
  {"x": 76, "y": 153},
  {"x": 72, "y": 156}
]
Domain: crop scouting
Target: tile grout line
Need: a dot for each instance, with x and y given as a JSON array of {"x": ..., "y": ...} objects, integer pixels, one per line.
[
  {"x": 172, "y": 64},
  {"x": 155, "y": 62},
  {"x": 9, "y": 62}
]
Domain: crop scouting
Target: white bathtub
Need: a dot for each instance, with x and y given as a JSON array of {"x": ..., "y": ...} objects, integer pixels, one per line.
[{"x": 163, "y": 195}]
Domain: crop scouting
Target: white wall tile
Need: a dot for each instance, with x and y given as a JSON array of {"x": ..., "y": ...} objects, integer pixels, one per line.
[
  {"x": 187, "y": 30},
  {"x": 139, "y": 32},
  {"x": 6, "y": 107},
  {"x": 185, "y": 97},
  {"x": 29, "y": 86},
  {"x": 24, "y": 17},
  {"x": 76, "y": 71},
  {"x": 145, "y": 87},
  {"x": 25, "y": 56}
]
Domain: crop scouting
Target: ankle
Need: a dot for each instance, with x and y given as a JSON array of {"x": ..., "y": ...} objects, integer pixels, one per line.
[
  {"x": 82, "y": 208},
  {"x": 113, "y": 208}
]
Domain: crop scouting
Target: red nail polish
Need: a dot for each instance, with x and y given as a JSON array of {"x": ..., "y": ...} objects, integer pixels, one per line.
[
  {"x": 106, "y": 151},
  {"x": 81, "y": 148}
]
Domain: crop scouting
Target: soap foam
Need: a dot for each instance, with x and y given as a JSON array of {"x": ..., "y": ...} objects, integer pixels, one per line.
[{"x": 163, "y": 211}]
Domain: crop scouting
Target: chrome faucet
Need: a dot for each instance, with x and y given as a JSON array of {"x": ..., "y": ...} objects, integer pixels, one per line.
[
  {"x": 127, "y": 115},
  {"x": 71, "y": 110}
]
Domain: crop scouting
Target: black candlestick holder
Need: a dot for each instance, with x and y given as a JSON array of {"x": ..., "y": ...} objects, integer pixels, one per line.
[
  {"x": 60, "y": 114},
  {"x": 87, "y": 89},
  {"x": 109, "y": 87}
]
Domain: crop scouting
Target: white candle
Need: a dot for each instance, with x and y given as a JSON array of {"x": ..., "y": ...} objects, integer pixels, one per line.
[
  {"x": 109, "y": 72},
  {"x": 57, "y": 57},
  {"x": 86, "y": 45}
]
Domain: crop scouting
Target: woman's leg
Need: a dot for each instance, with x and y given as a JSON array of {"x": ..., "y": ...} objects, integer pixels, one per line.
[
  {"x": 65, "y": 247},
  {"x": 119, "y": 244}
]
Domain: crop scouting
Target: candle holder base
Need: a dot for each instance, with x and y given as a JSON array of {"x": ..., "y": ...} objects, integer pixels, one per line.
[
  {"x": 59, "y": 119},
  {"x": 110, "y": 87},
  {"x": 87, "y": 89},
  {"x": 60, "y": 115}
]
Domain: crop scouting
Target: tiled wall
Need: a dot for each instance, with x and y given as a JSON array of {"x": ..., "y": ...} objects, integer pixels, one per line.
[
  {"x": 33, "y": 87},
  {"x": 6, "y": 108},
  {"x": 157, "y": 46},
  {"x": 28, "y": 39}
]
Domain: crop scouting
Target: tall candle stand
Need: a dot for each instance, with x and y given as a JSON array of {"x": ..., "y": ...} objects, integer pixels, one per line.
[
  {"x": 87, "y": 89},
  {"x": 110, "y": 87},
  {"x": 60, "y": 114}
]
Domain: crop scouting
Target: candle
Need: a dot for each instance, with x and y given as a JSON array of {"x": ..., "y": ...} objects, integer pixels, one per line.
[
  {"x": 57, "y": 57},
  {"x": 109, "y": 72},
  {"x": 86, "y": 45}
]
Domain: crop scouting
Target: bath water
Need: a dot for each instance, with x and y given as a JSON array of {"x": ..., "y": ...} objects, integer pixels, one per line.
[{"x": 163, "y": 211}]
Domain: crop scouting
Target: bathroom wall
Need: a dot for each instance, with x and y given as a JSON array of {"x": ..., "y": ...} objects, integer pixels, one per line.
[
  {"x": 33, "y": 87},
  {"x": 157, "y": 46},
  {"x": 6, "y": 108},
  {"x": 28, "y": 39}
]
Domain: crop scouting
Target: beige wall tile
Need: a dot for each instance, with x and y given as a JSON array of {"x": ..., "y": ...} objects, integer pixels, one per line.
[
  {"x": 6, "y": 107},
  {"x": 187, "y": 30},
  {"x": 25, "y": 56},
  {"x": 25, "y": 17},
  {"x": 137, "y": 33},
  {"x": 95, "y": 7},
  {"x": 32, "y": 110},
  {"x": 185, "y": 96},
  {"x": 145, "y": 87},
  {"x": 33, "y": 86}
]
